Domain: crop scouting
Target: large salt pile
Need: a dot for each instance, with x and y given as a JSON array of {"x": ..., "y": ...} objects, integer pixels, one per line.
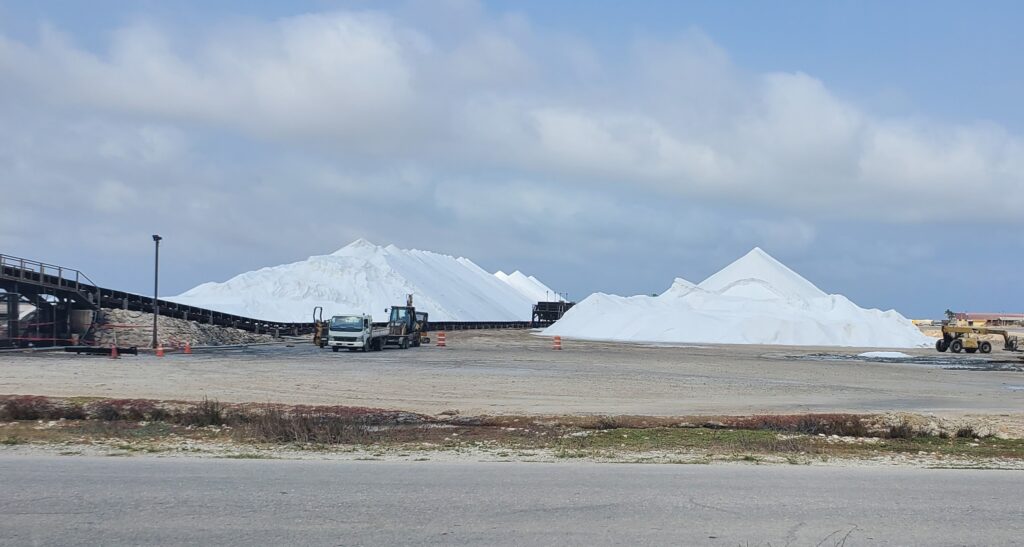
[
  {"x": 366, "y": 278},
  {"x": 754, "y": 300},
  {"x": 529, "y": 286}
]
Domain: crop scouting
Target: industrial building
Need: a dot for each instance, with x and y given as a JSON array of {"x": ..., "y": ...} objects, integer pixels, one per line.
[{"x": 976, "y": 319}]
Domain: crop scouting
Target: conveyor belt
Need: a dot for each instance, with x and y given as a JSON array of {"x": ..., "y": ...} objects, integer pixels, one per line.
[{"x": 19, "y": 275}]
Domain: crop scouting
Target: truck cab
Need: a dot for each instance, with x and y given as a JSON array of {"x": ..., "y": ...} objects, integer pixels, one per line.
[{"x": 354, "y": 332}]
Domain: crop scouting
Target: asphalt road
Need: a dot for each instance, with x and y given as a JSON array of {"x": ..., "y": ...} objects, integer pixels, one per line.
[{"x": 154, "y": 501}]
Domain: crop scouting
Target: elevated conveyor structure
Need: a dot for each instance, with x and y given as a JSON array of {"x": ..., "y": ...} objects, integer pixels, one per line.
[
  {"x": 68, "y": 289},
  {"x": 59, "y": 292}
]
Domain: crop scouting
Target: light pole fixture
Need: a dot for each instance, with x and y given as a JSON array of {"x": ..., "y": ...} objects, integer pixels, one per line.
[{"x": 156, "y": 286}]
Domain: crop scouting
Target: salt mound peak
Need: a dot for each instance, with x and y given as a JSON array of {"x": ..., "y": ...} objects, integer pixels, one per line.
[
  {"x": 680, "y": 287},
  {"x": 358, "y": 246},
  {"x": 362, "y": 277},
  {"x": 529, "y": 286},
  {"x": 759, "y": 275}
]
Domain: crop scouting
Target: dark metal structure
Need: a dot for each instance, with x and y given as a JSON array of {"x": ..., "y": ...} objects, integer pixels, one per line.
[
  {"x": 546, "y": 313},
  {"x": 54, "y": 292},
  {"x": 156, "y": 286},
  {"x": 434, "y": 326},
  {"x": 62, "y": 290}
]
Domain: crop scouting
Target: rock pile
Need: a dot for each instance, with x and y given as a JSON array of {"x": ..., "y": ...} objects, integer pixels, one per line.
[{"x": 128, "y": 328}]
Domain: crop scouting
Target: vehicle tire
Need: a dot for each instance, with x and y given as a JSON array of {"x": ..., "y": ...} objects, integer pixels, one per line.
[
  {"x": 366, "y": 346},
  {"x": 415, "y": 343},
  {"x": 335, "y": 349},
  {"x": 941, "y": 346},
  {"x": 405, "y": 343},
  {"x": 956, "y": 346},
  {"x": 985, "y": 347}
]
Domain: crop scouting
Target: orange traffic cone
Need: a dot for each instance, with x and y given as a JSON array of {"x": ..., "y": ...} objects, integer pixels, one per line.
[
  {"x": 159, "y": 350},
  {"x": 557, "y": 343},
  {"x": 188, "y": 348},
  {"x": 440, "y": 340},
  {"x": 113, "y": 351}
]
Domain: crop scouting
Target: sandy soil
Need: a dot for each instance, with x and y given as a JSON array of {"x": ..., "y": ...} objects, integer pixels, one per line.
[
  {"x": 515, "y": 372},
  {"x": 194, "y": 449}
]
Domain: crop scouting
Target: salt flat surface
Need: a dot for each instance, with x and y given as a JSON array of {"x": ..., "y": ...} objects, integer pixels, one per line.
[
  {"x": 754, "y": 300},
  {"x": 515, "y": 372},
  {"x": 367, "y": 278}
]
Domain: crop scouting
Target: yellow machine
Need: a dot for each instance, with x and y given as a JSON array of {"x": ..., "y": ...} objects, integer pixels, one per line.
[
  {"x": 406, "y": 326},
  {"x": 957, "y": 338},
  {"x": 319, "y": 327}
]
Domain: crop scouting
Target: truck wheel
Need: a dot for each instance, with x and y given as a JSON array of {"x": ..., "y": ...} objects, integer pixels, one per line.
[
  {"x": 956, "y": 346},
  {"x": 404, "y": 344},
  {"x": 415, "y": 343},
  {"x": 334, "y": 348},
  {"x": 941, "y": 346},
  {"x": 985, "y": 347},
  {"x": 366, "y": 346}
]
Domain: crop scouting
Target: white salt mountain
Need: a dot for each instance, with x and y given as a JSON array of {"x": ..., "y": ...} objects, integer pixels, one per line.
[
  {"x": 754, "y": 300},
  {"x": 367, "y": 278},
  {"x": 529, "y": 286}
]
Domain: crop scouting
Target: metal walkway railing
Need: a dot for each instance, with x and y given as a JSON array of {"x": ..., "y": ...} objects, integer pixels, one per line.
[{"x": 18, "y": 274}]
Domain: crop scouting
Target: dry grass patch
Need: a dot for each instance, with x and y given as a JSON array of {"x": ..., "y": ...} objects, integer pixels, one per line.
[{"x": 147, "y": 425}]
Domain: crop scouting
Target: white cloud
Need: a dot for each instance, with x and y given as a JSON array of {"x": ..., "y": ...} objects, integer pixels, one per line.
[
  {"x": 112, "y": 196},
  {"x": 321, "y": 75},
  {"x": 679, "y": 118}
]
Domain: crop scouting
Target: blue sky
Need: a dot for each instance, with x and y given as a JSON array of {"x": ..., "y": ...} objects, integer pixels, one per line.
[{"x": 874, "y": 147}]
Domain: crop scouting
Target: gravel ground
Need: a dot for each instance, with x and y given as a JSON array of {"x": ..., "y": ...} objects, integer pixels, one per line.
[{"x": 516, "y": 372}]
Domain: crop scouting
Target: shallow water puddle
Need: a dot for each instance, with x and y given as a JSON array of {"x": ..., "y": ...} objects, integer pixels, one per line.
[{"x": 942, "y": 361}]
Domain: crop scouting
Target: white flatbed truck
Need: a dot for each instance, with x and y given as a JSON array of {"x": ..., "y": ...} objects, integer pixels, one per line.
[{"x": 355, "y": 333}]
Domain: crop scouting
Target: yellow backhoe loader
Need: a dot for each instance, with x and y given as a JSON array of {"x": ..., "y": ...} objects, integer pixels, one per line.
[{"x": 957, "y": 338}]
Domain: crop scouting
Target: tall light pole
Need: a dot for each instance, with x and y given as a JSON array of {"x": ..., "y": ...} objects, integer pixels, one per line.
[{"x": 156, "y": 286}]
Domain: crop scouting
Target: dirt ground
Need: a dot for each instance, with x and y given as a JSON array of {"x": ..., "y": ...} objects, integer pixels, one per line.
[{"x": 517, "y": 372}]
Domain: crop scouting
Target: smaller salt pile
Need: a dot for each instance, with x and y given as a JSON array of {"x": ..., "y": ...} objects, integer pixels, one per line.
[{"x": 754, "y": 300}]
